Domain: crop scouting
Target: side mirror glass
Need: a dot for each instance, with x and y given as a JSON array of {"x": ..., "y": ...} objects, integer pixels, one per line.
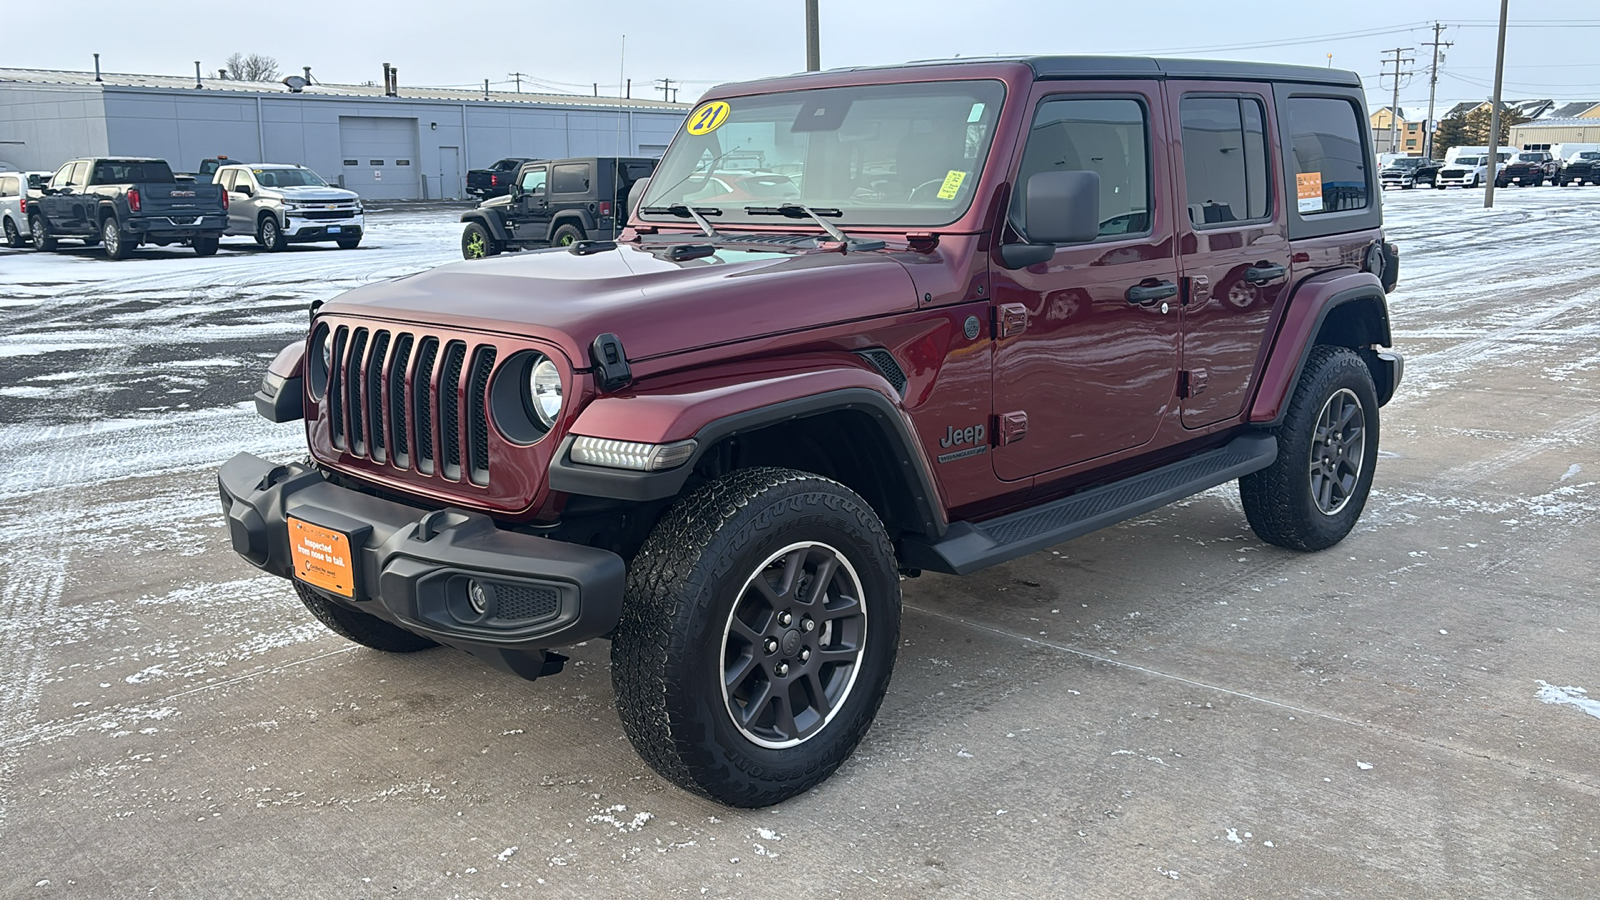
[{"x": 1062, "y": 208}]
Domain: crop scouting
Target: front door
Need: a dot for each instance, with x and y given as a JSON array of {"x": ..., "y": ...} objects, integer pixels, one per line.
[
  {"x": 1086, "y": 347},
  {"x": 1233, "y": 243},
  {"x": 530, "y": 208}
]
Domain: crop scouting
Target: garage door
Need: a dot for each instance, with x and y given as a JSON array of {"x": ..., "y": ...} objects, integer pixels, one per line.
[{"x": 380, "y": 157}]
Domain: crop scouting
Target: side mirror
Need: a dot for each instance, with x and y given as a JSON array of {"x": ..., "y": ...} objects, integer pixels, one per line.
[
  {"x": 245, "y": 189},
  {"x": 1062, "y": 208},
  {"x": 515, "y": 190}
]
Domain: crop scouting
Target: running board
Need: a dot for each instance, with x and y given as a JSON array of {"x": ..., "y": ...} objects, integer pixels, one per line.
[{"x": 969, "y": 546}]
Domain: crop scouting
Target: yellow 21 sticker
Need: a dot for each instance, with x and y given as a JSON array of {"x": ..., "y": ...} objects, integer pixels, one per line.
[
  {"x": 708, "y": 118},
  {"x": 952, "y": 184}
]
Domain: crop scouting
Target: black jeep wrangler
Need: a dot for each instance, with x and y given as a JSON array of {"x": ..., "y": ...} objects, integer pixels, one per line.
[{"x": 555, "y": 202}]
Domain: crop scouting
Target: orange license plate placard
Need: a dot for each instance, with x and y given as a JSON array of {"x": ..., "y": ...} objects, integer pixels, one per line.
[{"x": 322, "y": 557}]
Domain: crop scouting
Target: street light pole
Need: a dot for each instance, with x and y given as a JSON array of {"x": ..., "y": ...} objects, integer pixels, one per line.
[
  {"x": 813, "y": 43},
  {"x": 1494, "y": 114}
]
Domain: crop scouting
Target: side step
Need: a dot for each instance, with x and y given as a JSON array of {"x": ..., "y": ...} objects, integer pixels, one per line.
[{"x": 970, "y": 546}]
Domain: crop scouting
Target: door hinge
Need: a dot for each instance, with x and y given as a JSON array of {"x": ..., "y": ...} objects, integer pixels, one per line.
[
  {"x": 1191, "y": 383},
  {"x": 1010, "y": 319},
  {"x": 1010, "y": 427},
  {"x": 1196, "y": 289}
]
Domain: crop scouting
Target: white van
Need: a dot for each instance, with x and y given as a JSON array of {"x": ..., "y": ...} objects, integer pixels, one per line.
[{"x": 14, "y": 197}]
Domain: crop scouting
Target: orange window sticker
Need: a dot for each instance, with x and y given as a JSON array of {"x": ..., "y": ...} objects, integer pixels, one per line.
[
  {"x": 952, "y": 185},
  {"x": 1308, "y": 190},
  {"x": 322, "y": 557},
  {"x": 708, "y": 118}
]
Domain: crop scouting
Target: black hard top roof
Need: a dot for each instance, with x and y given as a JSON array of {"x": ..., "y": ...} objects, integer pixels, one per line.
[{"x": 1067, "y": 67}]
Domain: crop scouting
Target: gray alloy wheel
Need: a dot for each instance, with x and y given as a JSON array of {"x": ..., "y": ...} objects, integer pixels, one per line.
[
  {"x": 1338, "y": 450},
  {"x": 13, "y": 236},
  {"x": 269, "y": 234},
  {"x": 116, "y": 245}
]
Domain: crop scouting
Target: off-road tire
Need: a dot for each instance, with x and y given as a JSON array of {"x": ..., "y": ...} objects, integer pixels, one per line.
[
  {"x": 668, "y": 652},
  {"x": 117, "y": 244},
  {"x": 477, "y": 242},
  {"x": 269, "y": 234},
  {"x": 348, "y": 243},
  {"x": 566, "y": 236},
  {"x": 205, "y": 246},
  {"x": 13, "y": 236},
  {"x": 364, "y": 629},
  {"x": 1278, "y": 500},
  {"x": 43, "y": 240}
]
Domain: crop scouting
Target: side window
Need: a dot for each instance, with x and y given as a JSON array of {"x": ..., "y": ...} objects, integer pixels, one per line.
[
  {"x": 62, "y": 178},
  {"x": 533, "y": 180},
  {"x": 226, "y": 178},
  {"x": 570, "y": 178},
  {"x": 1326, "y": 151},
  {"x": 8, "y": 187},
  {"x": 1224, "y": 160},
  {"x": 1109, "y": 137},
  {"x": 80, "y": 174}
]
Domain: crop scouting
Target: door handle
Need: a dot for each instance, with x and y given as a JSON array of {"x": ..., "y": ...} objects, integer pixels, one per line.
[
  {"x": 1148, "y": 294},
  {"x": 1264, "y": 274}
]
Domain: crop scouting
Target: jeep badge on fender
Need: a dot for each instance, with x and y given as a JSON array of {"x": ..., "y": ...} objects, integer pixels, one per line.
[{"x": 733, "y": 489}]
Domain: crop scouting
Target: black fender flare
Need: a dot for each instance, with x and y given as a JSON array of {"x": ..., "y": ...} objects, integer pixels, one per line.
[
  {"x": 625, "y": 484},
  {"x": 491, "y": 223},
  {"x": 579, "y": 217}
]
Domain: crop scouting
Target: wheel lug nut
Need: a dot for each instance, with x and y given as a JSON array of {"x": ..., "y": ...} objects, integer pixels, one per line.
[
  {"x": 806, "y": 624},
  {"x": 771, "y": 645},
  {"x": 784, "y": 619},
  {"x": 781, "y": 669},
  {"x": 805, "y": 653}
]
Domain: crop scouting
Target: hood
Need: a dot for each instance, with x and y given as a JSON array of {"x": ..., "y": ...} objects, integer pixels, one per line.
[
  {"x": 496, "y": 202},
  {"x": 310, "y": 193},
  {"x": 657, "y": 306}
]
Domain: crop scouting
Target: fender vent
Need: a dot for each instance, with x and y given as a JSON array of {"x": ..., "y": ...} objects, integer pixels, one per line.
[{"x": 885, "y": 363}]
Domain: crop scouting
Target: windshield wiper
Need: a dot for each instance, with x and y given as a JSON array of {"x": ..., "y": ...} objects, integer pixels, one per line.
[
  {"x": 683, "y": 211},
  {"x": 801, "y": 211}
]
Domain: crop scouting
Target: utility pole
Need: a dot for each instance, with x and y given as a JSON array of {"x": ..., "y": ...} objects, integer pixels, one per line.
[
  {"x": 1394, "y": 109},
  {"x": 664, "y": 85},
  {"x": 1494, "y": 115},
  {"x": 1433, "y": 87},
  {"x": 813, "y": 40},
  {"x": 517, "y": 77}
]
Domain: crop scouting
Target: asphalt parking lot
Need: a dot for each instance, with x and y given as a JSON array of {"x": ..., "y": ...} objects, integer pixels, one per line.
[{"x": 1168, "y": 708}]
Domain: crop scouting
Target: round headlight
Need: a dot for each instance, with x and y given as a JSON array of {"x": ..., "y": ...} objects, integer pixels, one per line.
[
  {"x": 327, "y": 351},
  {"x": 544, "y": 389}
]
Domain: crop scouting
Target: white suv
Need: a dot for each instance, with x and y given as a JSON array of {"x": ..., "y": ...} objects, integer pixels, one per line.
[
  {"x": 280, "y": 204},
  {"x": 14, "y": 197}
]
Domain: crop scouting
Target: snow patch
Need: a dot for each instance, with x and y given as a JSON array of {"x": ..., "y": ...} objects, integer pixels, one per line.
[{"x": 1569, "y": 696}]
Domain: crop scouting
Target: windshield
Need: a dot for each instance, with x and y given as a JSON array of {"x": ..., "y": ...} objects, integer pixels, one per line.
[
  {"x": 1409, "y": 163},
  {"x": 288, "y": 178},
  {"x": 1468, "y": 160},
  {"x": 888, "y": 154},
  {"x": 1587, "y": 154},
  {"x": 1529, "y": 157}
]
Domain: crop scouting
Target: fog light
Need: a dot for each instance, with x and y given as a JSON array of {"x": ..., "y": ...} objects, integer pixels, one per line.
[
  {"x": 631, "y": 455},
  {"x": 477, "y": 596}
]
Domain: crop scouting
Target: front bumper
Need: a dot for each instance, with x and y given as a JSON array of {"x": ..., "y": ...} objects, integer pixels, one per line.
[
  {"x": 296, "y": 228},
  {"x": 412, "y": 566}
]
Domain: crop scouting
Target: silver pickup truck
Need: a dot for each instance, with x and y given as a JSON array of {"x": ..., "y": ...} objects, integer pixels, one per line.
[{"x": 280, "y": 204}]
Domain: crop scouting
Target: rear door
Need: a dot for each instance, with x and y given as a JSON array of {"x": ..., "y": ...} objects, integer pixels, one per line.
[
  {"x": 1086, "y": 346},
  {"x": 1233, "y": 241}
]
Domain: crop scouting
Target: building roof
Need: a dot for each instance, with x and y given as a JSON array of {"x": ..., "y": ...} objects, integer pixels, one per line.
[
  {"x": 1573, "y": 110},
  {"x": 362, "y": 91},
  {"x": 1552, "y": 122},
  {"x": 1528, "y": 109}
]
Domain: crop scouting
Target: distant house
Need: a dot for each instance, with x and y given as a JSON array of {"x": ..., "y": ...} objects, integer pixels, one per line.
[
  {"x": 1390, "y": 124},
  {"x": 1583, "y": 109},
  {"x": 1527, "y": 109}
]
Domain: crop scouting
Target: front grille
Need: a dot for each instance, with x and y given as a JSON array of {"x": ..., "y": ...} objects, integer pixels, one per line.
[
  {"x": 324, "y": 213},
  {"x": 515, "y": 601},
  {"x": 384, "y": 401}
]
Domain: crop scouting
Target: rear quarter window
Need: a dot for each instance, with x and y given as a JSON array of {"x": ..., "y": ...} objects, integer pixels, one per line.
[
  {"x": 1327, "y": 155},
  {"x": 571, "y": 178}
]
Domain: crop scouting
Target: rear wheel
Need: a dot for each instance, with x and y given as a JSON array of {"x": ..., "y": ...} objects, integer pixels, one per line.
[
  {"x": 566, "y": 236},
  {"x": 364, "y": 629},
  {"x": 204, "y": 246},
  {"x": 13, "y": 236},
  {"x": 477, "y": 242},
  {"x": 758, "y": 635},
  {"x": 269, "y": 234},
  {"x": 116, "y": 246},
  {"x": 42, "y": 238},
  {"x": 1312, "y": 495}
]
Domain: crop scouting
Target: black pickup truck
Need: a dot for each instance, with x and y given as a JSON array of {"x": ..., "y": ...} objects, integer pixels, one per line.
[
  {"x": 496, "y": 180},
  {"x": 127, "y": 202}
]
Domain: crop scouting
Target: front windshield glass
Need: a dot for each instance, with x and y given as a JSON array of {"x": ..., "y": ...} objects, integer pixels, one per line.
[
  {"x": 1467, "y": 160},
  {"x": 1586, "y": 155},
  {"x": 288, "y": 178},
  {"x": 1408, "y": 163},
  {"x": 888, "y": 154}
]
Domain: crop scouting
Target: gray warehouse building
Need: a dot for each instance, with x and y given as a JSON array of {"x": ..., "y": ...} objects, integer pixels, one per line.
[{"x": 386, "y": 144}]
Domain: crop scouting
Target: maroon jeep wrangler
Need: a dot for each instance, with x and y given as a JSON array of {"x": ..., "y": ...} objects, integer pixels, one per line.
[{"x": 864, "y": 324}]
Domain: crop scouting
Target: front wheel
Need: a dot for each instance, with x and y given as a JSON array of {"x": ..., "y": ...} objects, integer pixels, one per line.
[
  {"x": 349, "y": 243},
  {"x": 116, "y": 246},
  {"x": 477, "y": 242},
  {"x": 269, "y": 234},
  {"x": 1312, "y": 495},
  {"x": 566, "y": 236},
  {"x": 757, "y": 636}
]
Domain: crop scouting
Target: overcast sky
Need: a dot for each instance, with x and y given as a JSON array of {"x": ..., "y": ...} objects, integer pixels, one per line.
[{"x": 568, "y": 46}]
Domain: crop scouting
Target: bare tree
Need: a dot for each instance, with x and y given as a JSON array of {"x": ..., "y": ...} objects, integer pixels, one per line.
[{"x": 254, "y": 67}]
